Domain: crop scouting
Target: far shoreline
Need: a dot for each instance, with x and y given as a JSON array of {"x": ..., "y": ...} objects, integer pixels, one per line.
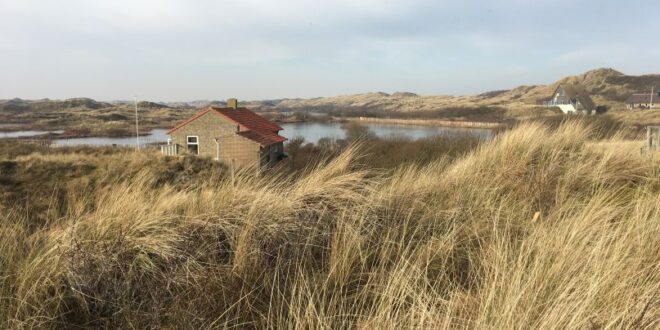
[
  {"x": 125, "y": 133},
  {"x": 426, "y": 122}
]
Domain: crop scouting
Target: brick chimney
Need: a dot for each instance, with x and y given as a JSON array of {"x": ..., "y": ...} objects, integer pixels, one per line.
[{"x": 232, "y": 103}]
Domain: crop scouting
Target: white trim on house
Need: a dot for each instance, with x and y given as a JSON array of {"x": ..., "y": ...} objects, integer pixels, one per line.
[
  {"x": 566, "y": 108},
  {"x": 195, "y": 143}
]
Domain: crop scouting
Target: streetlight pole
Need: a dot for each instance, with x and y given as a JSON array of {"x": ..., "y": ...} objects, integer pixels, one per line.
[
  {"x": 137, "y": 127},
  {"x": 652, "y": 91}
]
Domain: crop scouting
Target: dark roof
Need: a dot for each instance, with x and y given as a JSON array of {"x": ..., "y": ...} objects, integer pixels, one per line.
[
  {"x": 643, "y": 98},
  {"x": 252, "y": 126},
  {"x": 576, "y": 91}
]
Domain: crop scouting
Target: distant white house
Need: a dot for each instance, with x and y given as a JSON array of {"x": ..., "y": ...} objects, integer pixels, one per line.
[{"x": 571, "y": 98}]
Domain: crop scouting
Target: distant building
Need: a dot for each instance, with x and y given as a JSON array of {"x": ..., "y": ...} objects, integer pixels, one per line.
[
  {"x": 571, "y": 98},
  {"x": 643, "y": 101},
  {"x": 234, "y": 135}
]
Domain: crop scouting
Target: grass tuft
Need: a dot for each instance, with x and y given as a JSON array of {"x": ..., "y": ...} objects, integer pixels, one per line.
[{"x": 543, "y": 227}]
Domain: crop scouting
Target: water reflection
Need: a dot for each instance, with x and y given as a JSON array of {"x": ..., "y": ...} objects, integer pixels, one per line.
[
  {"x": 18, "y": 134},
  {"x": 312, "y": 132},
  {"x": 155, "y": 136}
]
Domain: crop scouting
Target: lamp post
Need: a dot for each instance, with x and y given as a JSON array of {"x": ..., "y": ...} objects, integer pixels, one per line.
[
  {"x": 651, "y": 104},
  {"x": 137, "y": 129}
]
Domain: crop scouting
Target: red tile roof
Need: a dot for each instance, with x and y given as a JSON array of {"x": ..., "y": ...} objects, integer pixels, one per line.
[
  {"x": 253, "y": 126},
  {"x": 248, "y": 119},
  {"x": 263, "y": 138}
]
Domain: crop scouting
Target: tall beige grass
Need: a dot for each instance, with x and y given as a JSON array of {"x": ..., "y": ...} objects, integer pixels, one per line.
[{"x": 452, "y": 244}]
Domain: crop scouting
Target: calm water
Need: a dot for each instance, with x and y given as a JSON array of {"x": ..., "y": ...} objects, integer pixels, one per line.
[
  {"x": 155, "y": 136},
  {"x": 24, "y": 133},
  {"x": 312, "y": 132}
]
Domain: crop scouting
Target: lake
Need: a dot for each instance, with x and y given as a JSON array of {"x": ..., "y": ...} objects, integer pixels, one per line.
[
  {"x": 158, "y": 135},
  {"x": 17, "y": 134},
  {"x": 312, "y": 132}
]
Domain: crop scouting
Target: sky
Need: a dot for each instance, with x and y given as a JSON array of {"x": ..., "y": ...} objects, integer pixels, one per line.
[{"x": 183, "y": 50}]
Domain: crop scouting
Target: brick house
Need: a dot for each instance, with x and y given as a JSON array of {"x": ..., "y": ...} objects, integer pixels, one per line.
[{"x": 234, "y": 135}]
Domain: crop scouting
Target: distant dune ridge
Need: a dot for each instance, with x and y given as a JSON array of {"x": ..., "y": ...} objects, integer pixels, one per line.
[
  {"x": 606, "y": 86},
  {"x": 48, "y": 104}
]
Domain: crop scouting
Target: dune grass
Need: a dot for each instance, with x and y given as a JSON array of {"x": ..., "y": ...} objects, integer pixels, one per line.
[{"x": 539, "y": 228}]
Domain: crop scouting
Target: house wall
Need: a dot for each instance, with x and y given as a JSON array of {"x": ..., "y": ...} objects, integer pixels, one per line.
[
  {"x": 274, "y": 151},
  {"x": 234, "y": 149},
  {"x": 560, "y": 97},
  {"x": 566, "y": 108},
  {"x": 642, "y": 105}
]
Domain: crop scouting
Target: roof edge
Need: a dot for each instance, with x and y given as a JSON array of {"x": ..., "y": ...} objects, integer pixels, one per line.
[
  {"x": 261, "y": 144},
  {"x": 189, "y": 120},
  {"x": 215, "y": 109},
  {"x": 239, "y": 108}
]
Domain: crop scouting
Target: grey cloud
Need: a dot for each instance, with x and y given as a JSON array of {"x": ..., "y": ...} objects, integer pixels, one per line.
[{"x": 175, "y": 49}]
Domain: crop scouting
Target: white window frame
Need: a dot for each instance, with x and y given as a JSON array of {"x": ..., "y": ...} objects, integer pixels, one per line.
[{"x": 196, "y": 143}]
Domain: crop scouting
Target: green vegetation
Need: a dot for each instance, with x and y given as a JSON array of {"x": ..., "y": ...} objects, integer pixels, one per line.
[{"x": 539, "y": 228}]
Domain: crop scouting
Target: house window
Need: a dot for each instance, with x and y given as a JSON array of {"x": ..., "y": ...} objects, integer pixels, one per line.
[{"x": 193, "y": 144}]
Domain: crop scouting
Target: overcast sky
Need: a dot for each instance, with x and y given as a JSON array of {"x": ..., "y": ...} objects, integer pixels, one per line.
[{"x": 171, "y": 50}]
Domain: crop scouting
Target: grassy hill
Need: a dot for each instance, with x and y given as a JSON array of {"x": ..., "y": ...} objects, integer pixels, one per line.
[
  {"x": 83, "y": 116},
  {"x": 539, "y": 228},
  {"x": 606, "y": 86},
  {"x": 18, "y": 105}
]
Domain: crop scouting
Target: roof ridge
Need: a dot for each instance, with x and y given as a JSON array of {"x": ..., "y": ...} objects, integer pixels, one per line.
[
  {"x": 187, "y": 121},
  {"x": 256, "y": 122},
  {"x": 251, "y": 125}
]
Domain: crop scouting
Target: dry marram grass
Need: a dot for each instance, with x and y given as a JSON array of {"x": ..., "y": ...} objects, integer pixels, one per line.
[{"x": 451, "y": 244}]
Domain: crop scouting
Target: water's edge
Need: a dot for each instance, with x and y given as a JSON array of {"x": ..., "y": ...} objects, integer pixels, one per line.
[
  {"x": 428, "y": 122},
  {"x": 310, "y": 131}
]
